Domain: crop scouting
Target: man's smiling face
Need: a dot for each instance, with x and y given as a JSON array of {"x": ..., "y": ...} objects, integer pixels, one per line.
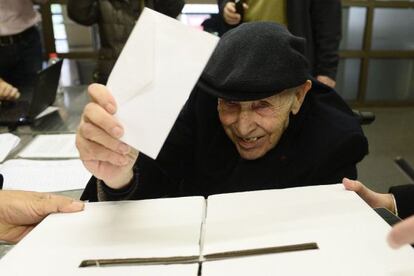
[{"x": 255, "y": 127}]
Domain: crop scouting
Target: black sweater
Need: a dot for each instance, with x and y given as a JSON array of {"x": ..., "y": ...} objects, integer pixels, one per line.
[{"x": 321, "y": 145}]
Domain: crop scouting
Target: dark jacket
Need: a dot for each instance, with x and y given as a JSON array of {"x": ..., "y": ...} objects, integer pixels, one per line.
[
  {"x": 404, "y": 197},
  {"x": 321, "y": 145},
  {"x": 319, "y": 22},
  {"x": 116, "y": 19}
]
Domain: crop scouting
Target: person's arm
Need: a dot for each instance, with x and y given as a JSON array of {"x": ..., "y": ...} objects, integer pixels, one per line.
[
  {"x": 98, "y": 140},
  {"x": 373, "y": 199},
  {"x": 85, "y": 12},
  {"x": 7, "y": 91},
  {"x": 402, "y": 233},
  {"x": 171, "y": 8},
  {"x": 398, "y": 200},
  {"x": 21, "y": 211},
  {"x": 326, "y": 28}
]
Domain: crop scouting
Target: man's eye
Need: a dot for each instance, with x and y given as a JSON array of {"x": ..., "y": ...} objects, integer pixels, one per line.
[
  {"x": 230, "y": 103},
  {"x": 261, "y": 105}
]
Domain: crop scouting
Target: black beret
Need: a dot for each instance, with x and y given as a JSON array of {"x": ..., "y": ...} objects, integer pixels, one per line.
[{"x": 255, "y": 61}]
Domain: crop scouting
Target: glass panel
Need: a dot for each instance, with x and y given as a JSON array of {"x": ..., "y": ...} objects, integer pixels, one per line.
[
  {"x": 61, "y": 46},
  {"x": 57, "y": 19},
  {"x": 70, "y": 36},
  {"x": 59, "y": 31},
  {"x": 393, "y": 29},
  {"x": 353, "y": 24},
  {"x": 56, "y": 8},
  {"x": 347, "y": 78},
  {"x": 390, "y": 79}
]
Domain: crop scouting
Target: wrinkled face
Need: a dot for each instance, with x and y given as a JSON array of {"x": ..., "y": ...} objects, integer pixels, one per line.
[{"x": 255, "y": 127}]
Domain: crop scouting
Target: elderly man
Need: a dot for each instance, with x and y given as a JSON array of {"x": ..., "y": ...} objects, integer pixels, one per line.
[{"x": 254, "y": 121}]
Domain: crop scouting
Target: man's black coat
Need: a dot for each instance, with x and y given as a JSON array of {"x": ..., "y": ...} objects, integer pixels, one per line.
[{"x": 321, "y": 145}]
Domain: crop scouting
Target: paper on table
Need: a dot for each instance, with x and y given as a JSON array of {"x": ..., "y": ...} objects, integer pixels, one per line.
[
  {"x": 44, "y": 176},
  {"x": 350, "y": 235},
  {"x": 51, "y": 146},
  {"x": 8, "y": 142},
  {"x": 47, "y": 111},
  {"x": 155, "y": 73},
  {"x": 148, "y": 228}
]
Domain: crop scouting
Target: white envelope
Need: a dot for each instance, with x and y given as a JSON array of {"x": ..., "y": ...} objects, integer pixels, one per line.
[{"x": 154, "y": 75}]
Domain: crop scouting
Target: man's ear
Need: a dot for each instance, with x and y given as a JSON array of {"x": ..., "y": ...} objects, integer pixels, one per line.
[{"x": 299, "y": 97}]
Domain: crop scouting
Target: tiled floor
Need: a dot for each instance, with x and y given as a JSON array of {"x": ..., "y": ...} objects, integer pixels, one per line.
[{"x": 389, "y": 136}]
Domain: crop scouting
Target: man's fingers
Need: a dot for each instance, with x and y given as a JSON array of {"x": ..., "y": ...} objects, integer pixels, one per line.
[
  {"x": 101, "y": 95},
  {"x": 358, "y": 187},
  {"x": 95, "y": 114},
  {"x": 326, "y": 80},
  {"x": 353, "y": 185},
  {"x": 91, "y": 151},
  {"x": 95, "y": 134},
  {"x": 402, "y": 233},
  {"x": 51, "y": 203},
  {"x": 104, "y": 170},
  {"x": 230, "y": 15},
  {"x": 14, "y": 233},
  {"x": 230, "y": 7},
  {"x": 373, "y": 199}
]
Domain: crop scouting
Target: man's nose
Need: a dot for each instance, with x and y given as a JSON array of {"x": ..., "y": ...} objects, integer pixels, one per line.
[{"x": 245, "y": 122}]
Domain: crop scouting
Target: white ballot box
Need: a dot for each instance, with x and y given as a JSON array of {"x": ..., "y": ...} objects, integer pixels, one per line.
[{"x": 249, "y": 233}]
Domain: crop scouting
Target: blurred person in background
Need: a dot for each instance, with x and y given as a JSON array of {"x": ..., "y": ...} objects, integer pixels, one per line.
[
  {"x": 20, "y": 46},
  {"x": 318, "y": 21},
  {"x": 115, "y": 19}
]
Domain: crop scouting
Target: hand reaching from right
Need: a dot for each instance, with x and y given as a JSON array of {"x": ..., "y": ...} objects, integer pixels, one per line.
[
  {"x": 97, "y": 140},
  {"x": 374, "y": 199}
]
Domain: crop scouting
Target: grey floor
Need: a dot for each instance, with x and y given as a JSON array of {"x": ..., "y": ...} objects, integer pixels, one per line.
[{"x": 389, "y": 136}]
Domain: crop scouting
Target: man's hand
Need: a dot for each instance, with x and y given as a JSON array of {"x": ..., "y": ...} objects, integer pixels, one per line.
[
  {"x": 402, "y": 233},
  {"x": 326, "y": 80},
  {"x": 230, "y": 15},
  {"x": 375, "y": 200},
  {"x": 97, "y": 140},
  {"x": 8, "y": 92},
  {"x": 20, "y": 211}
]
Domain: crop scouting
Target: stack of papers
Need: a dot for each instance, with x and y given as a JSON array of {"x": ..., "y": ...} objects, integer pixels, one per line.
[
  {"x": 51, "y": 146},
  {"x": 44, "y": 176},
  {"x": 349, "y": 234},
  {"x": 8, "y": 142}
]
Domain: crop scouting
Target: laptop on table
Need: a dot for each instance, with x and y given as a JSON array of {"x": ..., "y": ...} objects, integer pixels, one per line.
[{"x": 43, "y": 95}]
